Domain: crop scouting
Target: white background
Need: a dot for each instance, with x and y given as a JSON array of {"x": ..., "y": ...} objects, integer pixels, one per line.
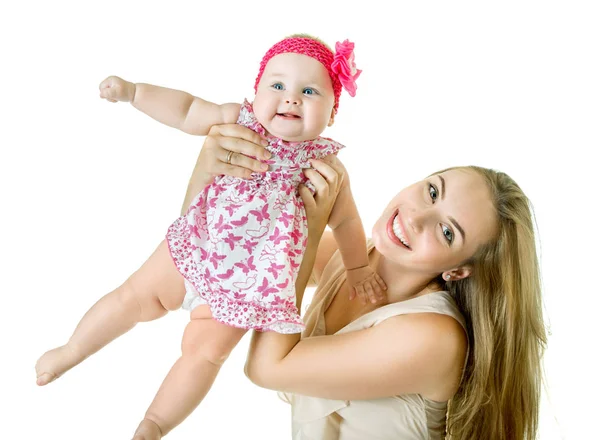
[{"x": 88, "y": 187}]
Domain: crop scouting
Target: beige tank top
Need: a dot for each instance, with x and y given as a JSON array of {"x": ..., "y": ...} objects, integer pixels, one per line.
[{"x": 406, "y": 417}]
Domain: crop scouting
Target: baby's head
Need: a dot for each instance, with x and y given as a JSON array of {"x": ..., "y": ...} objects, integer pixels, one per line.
[{"x": 299, "y": 84}]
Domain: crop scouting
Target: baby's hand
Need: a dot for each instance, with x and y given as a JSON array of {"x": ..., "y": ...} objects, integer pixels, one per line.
[
  {"x": 365, "y": 283},
  {"x": 115, "y": 89}
]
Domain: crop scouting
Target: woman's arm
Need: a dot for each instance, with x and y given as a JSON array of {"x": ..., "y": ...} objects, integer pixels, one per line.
[
  {"x": 328, "y": 179},
  {"x": 365, "y": 364},
  {"x": 329, "y": 242}
]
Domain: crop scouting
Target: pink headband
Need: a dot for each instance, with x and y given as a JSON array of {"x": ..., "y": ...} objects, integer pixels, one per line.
[{"x": 340, "y": 66}]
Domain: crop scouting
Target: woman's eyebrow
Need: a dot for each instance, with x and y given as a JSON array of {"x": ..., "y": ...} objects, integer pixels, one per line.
[
  {"x": 443, "y": 190},
  {"x": 452, "y": 219},
  {"x": 459, "y": 227}
]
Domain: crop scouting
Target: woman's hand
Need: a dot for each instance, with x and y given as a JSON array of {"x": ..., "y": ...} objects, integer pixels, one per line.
[
  {"x": 241, "y": 142},
  {"x": 328, "y": 178},
  {"x": 227, "y": 141}
]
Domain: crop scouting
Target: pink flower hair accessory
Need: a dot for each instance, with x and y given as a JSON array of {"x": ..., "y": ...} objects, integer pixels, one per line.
[
  {"x": 340, "y": 65},
  {"x": 344, "y": 66}
]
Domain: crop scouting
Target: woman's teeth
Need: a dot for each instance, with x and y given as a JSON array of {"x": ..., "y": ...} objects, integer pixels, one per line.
[{"x": 398, "y": 231}]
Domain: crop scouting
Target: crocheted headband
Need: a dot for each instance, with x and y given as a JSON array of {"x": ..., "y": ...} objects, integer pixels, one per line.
[{"x": 340, "y": 65}]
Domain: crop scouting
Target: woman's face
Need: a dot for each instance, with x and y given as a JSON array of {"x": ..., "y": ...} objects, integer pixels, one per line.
[{"x": 436, "y": 224}]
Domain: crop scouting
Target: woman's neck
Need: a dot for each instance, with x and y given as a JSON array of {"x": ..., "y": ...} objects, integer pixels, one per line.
[{"x": 401, "y": 285}]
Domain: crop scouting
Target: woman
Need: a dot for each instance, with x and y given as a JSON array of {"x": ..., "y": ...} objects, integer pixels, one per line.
[{"x": 456, "y": 347}]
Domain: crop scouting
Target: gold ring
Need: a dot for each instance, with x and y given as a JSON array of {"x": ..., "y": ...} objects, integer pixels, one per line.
[{"x": 228, "y": 160}]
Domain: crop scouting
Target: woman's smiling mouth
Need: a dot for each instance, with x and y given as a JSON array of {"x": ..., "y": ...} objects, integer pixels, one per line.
[{"x": 396, "y": 231}]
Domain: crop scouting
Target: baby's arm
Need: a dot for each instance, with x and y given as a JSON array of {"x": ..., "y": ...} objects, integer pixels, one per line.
[
  {"x": 350, "y": 236},
  {"x": 171, "y": 107}
]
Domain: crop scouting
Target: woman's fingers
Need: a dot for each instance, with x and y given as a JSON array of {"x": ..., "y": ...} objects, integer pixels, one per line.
[
  {"x": 234, "y": 171},
  {"x": 326, "y": 181},
  {"x": 240, "y": 160},
  {"x": 337, "y": 165},
  {"x": 240, "y": 139},
  {"x": 307, "y": 198},
  {"x": 321, "y": 185},
  {"x": 333, "y": 161},
  {"x": 317, "y": 212},
  {"x": 332, "y": 170},
  {"x": 227, "y": 149}
]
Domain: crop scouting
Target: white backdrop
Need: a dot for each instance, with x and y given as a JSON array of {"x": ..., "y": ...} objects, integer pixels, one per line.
[{"x": 88, "y": 188}]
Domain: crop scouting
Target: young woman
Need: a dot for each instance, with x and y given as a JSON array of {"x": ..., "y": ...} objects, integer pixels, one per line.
[{"x": 456, "y": 346}]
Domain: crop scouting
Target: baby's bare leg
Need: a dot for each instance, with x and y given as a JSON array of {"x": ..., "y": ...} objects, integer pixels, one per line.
[
  {"x": 153, "y": 290},
  {"x": 205, "y": 346}
]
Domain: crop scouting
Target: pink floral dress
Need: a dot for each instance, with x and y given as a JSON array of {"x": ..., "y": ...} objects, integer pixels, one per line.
[{"x": 241, "y": 242}]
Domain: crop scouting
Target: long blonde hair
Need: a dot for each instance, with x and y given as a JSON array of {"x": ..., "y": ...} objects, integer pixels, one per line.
[{"x": 500, "y": 391}]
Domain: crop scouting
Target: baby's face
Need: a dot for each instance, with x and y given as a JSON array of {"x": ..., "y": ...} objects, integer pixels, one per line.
[{"x": 294, "y": 99}]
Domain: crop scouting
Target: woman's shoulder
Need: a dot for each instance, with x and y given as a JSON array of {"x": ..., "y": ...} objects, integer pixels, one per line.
[
  {"x": 431, "y": 315},
  {"x": 431, "y": 324},
  {"x": 435, "y": 305},
  {"x": 438, "y": 302},
  {"x": 441, "y": 347},
  {"x": 437, "y": 319}
]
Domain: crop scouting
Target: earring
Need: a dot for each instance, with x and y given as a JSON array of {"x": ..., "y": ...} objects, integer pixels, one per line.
[{"x": 447, "y": 277}]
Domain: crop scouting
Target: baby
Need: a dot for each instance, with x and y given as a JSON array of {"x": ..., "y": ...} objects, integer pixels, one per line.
[{"x": 239, "y": 246}]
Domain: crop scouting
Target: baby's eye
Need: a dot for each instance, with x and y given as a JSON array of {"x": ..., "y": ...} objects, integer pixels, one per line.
[
  {"x": 277, "y": 86},
  {"x": 310, "y": 91}
]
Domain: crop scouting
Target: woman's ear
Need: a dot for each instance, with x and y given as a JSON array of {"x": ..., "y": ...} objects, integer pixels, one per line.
[{"x": 457, "y": 274}]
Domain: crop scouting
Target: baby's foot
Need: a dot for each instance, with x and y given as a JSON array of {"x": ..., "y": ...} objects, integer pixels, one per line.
[
  {"x": 148, "y": 430},
  {"x": 54, "y": 363}
]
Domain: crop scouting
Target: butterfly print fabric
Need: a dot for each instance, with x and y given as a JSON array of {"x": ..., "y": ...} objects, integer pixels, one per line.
[{"x": 241, "y": 242}]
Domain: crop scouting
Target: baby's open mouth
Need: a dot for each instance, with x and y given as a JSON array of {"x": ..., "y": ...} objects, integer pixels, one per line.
[{"x": 289, "y": 115}]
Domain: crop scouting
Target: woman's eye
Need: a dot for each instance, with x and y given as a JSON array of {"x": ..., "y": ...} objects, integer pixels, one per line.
[
  {"x": 448, "y": 234},
  {"x": 309, "y": 91},
  {"x": 277, "y": 86},
  {"x": 433, "y": 192}
]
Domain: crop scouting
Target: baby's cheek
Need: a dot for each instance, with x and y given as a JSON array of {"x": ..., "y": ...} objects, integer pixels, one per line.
[{"x": 261, "y": 117}]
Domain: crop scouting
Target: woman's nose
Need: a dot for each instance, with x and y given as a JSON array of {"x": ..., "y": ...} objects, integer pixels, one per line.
[{"x": 415, "y": 220}]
